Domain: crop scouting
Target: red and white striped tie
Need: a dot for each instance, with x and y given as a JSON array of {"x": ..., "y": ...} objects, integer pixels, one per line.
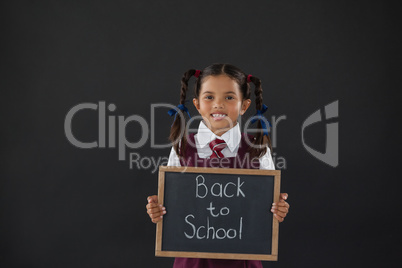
[{"x": 217, "y": 146}]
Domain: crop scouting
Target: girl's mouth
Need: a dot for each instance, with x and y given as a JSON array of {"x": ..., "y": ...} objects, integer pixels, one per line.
[{"x": 218, "y": 116}]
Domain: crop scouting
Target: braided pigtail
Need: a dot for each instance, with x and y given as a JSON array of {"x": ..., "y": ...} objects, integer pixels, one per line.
[
  {"x": 177, "y": 132},
  {"x": 261, "y": 141}
]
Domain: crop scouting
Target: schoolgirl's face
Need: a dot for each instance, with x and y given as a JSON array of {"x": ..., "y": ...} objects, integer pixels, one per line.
[{"x": 220, "y": 103}]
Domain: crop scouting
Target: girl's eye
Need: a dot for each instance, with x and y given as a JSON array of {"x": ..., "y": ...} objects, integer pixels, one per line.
[
  {"x": 208, "y": 97},
  {"x": 229, "y": 98}
]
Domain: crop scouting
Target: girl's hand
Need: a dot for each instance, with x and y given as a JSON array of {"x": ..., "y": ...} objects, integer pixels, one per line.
[
  {"x": 154, "y": 210},
  {"x": 282, "y": 208}
]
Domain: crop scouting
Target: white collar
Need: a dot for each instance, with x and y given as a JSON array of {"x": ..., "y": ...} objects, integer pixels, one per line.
[{"x": 232, "y": 137}]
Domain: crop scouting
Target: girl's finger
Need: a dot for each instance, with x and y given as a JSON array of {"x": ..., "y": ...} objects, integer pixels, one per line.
[
  {"x": 282, "y": 209},
  {"x": 152, "y": 205},
  {"x": 280, "y": 213},
  {"x": 154, "y": 210},
  {"x": 276, "y": 210},
  {"x": 284, "y": 196},
  {"x": 280, "y": 219},
  {"x": 152, "y": 199},
  {"x": 283, "y": 204},
  {"x": 157, "y": 214},
  {"x": 156, "y": 220}
]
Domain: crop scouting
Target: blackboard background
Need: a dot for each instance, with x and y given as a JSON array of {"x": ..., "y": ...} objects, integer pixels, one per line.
[
  {"x": 180, "y": 199},
  {"x": 62, "y": 206}
]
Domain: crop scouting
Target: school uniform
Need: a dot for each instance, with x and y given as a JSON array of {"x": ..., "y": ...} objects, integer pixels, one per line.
[
  {"x": 232, "y": 138},
  {"x": 235, "y": 155}
]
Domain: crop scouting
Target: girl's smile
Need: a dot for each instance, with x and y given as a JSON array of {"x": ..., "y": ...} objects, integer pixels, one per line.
[
  {"x": 220, "y": 103},
  {"x": 218, "y": 116}
]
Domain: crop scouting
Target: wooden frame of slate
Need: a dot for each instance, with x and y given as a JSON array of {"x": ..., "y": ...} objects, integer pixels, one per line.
[{"x": 218, "y": 213}]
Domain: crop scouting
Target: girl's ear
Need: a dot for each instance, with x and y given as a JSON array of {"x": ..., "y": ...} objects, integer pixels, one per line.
[
  {"x": 244, "y": 106},
  {"x": 196, "y": 103}
]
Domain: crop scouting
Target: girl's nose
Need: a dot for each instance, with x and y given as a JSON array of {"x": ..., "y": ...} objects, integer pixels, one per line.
[{"x": 218, "y": 104}]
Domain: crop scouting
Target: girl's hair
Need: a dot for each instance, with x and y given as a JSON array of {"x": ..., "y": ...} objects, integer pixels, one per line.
[{"x": 260, "y": 141}]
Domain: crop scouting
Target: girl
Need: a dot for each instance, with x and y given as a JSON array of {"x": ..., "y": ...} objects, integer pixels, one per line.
[{"x": 222, "y": 94}]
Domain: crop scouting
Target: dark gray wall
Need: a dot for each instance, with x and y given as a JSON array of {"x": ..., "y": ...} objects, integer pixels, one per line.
[{"x": 62, "y": 206}]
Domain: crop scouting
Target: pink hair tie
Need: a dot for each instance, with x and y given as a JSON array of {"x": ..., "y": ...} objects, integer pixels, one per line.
[
  {"x": 249, "y": 78},
  {"x": 197, "y": 73}
]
